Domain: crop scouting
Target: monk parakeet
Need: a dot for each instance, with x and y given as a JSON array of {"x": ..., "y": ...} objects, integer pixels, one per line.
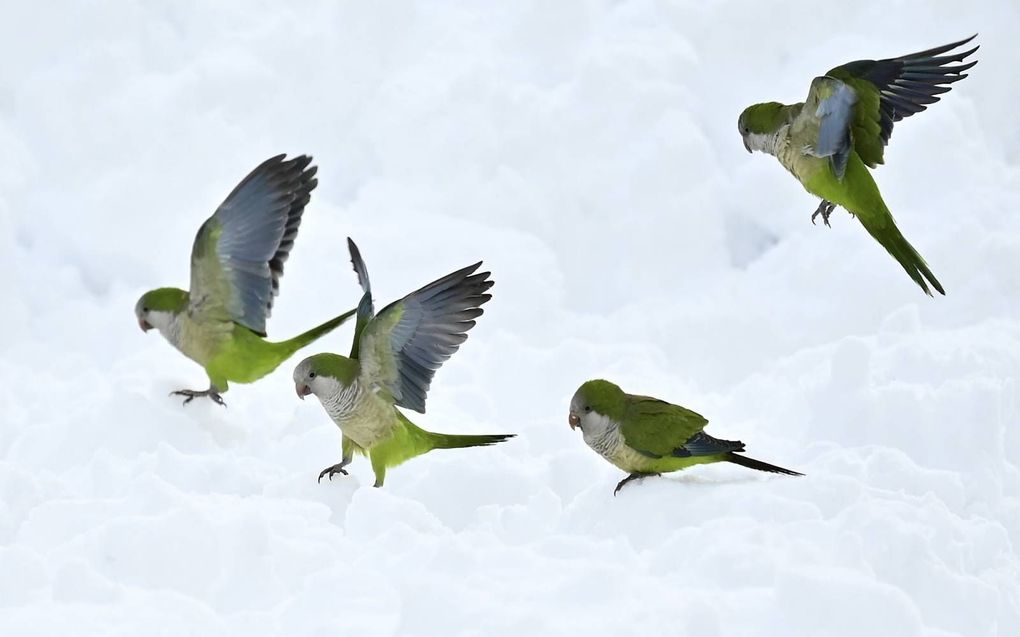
[
  {"x": 647, "y": 436},
  {"x": 236, "y": 264},
  {"x": 394, "y": 356},
  {"x": 831, "y": 140}
]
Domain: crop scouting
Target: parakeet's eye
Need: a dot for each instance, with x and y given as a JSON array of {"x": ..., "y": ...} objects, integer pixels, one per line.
[
  {"x": 145, "y": 310},
  {"x": 311, "y": 374},
  {"x": 587, "y": 409}
]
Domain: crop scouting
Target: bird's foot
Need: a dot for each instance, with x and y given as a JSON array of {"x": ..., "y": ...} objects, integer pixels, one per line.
[
  {"x": 192, "y": 394},
  {"x": 332, "y": 471},
  {"x": 633, "y": 476},
  {"x": 825, "y": 209}
]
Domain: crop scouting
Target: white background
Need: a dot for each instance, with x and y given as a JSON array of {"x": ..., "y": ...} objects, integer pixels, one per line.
[{"x": 588, "y": 152}]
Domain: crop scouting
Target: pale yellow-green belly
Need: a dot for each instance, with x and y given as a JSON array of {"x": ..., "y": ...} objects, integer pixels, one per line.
[
  {"x": 627, "y": 458},
  {"x": 372, "y": 421},
  {"x": 201, "y": 342},
  {"x": 632, "y": 461}
]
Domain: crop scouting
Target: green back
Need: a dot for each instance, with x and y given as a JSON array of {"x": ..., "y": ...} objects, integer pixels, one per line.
[{"x": 655, "y": 427}]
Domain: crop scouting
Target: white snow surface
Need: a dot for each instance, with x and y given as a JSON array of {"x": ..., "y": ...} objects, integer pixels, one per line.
[{"x": 588, "y": 152}]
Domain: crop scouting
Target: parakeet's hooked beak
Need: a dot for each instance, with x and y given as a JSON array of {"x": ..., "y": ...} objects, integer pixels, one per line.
[
  {"x": 145, "y": 325},
  {"x": 302, "y": 390},
  {"x": 574, "y": 420},
  {"x": 746, "y": 145}
]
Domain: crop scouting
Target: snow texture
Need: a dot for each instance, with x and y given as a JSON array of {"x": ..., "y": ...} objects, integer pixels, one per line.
[{"x": 588, "y": 152}]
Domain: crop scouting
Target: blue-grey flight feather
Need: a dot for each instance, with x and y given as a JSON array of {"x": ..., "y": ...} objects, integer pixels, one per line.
[
  {"x": 238, "y": 256},
  {"x": 403, "y": 346}
]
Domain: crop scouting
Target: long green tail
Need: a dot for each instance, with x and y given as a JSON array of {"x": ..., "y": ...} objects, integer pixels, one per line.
[
  {"x": 454, "y": 441},
  {"x": 410, "y": 440},
  {"x": 294, "y": 344},
  {"x": 419, "y": 441},
  {"x": 897, "y": 245}
]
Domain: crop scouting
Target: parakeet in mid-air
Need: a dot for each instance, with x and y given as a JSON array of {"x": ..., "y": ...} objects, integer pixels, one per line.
[
  {"x": 392, "y": 361},
  {"x": 829, "y": 141},
  {"x": 236, "y": 264},
  {"x": 647, "y": 436}
]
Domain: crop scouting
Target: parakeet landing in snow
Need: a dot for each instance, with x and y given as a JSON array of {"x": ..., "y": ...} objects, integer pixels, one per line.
[
  {"x": 394, "y": 356},
  {"x": 647, "y": 436},
  {"x": 236, "y": 264},
  {"x": 831, "y": 140}
]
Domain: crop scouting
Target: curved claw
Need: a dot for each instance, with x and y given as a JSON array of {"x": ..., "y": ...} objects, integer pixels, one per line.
[
  {"x": 182, "y": 392},
  {"x": 825, "y": 209},
  {"x": 633, "y": 476},
  {"x": 331, "y": 471},
  {"x": 191, "y": 394}
]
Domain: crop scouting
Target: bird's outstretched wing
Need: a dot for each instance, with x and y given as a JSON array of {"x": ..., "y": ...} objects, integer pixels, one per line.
[
  {"x": 366, "y": 308},
  {"x": 238, "y": 256},
  {"x": 401, "y": 348},
  {"x": 889, "y": 90},
  {"x": 657, "y": 429}
]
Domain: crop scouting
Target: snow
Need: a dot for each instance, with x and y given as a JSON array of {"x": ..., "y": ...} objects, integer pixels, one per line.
[{"x": 587, "y": 151}]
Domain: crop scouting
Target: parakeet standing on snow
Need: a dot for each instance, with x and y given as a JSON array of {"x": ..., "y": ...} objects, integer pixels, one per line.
[
  {"x": 394, "y": 356},
  {"x": 831, "y": 140},
  {"x": 647, "y": 436},
  {"x": 236, "y": 264}
]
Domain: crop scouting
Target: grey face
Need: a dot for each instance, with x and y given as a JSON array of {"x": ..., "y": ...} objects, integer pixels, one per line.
[
  {"x": 303, "y": 378},
  {"x": 744, "y": 131},
  {"x": 149, "y": 319},
  {"x": 142, "y": 314},
  {"x": 308, "y": 381},
  {"x": 579, "y": 412},
  {"x": 592, "y": 424}
]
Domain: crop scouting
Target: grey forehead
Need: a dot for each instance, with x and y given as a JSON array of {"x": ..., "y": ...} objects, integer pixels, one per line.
[{"x": 302, "y": 368}]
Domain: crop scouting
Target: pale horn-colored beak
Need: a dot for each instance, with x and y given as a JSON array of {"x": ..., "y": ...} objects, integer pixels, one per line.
[
  {"x": 142, "y": 323},
  {"x": 302, "y": 390},
  {"x": 746, "y": 145},
  {"x": 574, "y": 420}
]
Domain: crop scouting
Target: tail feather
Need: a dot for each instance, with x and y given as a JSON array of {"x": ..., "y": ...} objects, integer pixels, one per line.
[
  {"x": 758, "y": 465},
  {"x": 897, "y": 245},
  {"x": 451, "y": 441},
  {"x": 306, "y": 338}
]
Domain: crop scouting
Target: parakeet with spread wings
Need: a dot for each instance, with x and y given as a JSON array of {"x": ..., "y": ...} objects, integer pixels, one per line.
[
  {"x": 236, "y": 264},
  {"x": 393, "y": 359},
  {"x": 830, "y": 141}
]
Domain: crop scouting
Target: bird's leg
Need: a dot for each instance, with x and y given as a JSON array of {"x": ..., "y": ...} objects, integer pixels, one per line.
[
  {"x": 825, "y": 209},
  {"x": 379, "y": 468},
  {"x": 633, "y": 476},
  {"x": 347, "y": 445},
  {"x": 191, "y": 394},
  {"x": 333, "y": 470}
]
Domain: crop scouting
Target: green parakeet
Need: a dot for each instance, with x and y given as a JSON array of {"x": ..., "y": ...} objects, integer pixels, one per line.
[
  {"x": 647, "y": 436},
  {"x": 392, "y": 362},
  {"x": 236, "y": 264},
  {"x": 831, "y": 140}
]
